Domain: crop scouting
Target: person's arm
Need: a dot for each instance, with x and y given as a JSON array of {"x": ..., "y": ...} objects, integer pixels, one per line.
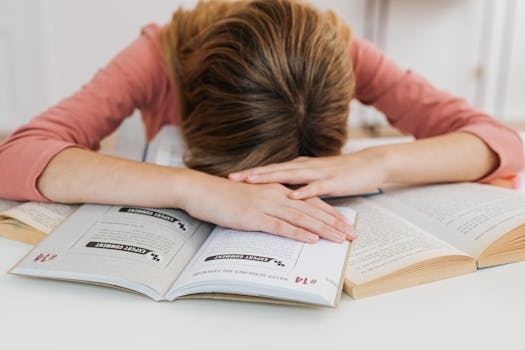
[
  {"x": 471, "y": 146},
  {"x": 416, "y": 107},
  {"x": 52, "y": 159},
  {"x": 129, "y": 81},
  {"x": 81, "y": 176},
  {"x": 429, "y": 160}
]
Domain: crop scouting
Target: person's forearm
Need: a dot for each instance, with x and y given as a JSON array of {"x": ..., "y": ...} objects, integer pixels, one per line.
[
  {"x": 447, "y": 158},
  {"x": 80, "y": 176}
]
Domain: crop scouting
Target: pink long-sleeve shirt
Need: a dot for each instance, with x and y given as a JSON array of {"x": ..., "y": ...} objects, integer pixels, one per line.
[{"x": 138, "y": 78}]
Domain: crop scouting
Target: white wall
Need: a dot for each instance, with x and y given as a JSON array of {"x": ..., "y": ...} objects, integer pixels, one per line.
[
  {"x": 49, "y": 48},
  {"x": 23, "y": 68},
  {"x": 513, "y": 104}
]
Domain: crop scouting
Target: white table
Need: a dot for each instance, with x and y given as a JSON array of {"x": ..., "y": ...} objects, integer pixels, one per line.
[{"x": 483, "y": 310}]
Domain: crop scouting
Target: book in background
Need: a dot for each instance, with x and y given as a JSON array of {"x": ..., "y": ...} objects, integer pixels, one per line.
[
  {"x": 31, "y": 222},
  {"x": 410, "y": 236}
]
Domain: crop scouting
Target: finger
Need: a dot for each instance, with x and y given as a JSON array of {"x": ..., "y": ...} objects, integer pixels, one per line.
[
  {"x": 294, "y": 164},
  {"x": 242, "y": 175},
  {"x": 327, "y": 208},
  {"x": 314, "y": 189},
  {"x": 350, "y": 231},
  {"x": 330, "y": 217},
  {"x": 309, "y": 223},
  {"x": 291, "y": 176},
  {"x": 282, "y": 228}
]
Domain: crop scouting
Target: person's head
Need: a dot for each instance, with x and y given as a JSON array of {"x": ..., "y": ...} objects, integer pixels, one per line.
[{"x": 260, "y": 82}]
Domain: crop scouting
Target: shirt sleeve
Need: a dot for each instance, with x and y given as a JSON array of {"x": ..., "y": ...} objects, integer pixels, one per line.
[
  {"x": 414, "y": 106},
  {"x": 129, "y": 81}
]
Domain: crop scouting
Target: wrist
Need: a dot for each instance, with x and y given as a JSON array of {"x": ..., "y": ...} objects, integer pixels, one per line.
[
  {"x": 187, "y": 185},
  {"x": 181, "y": 182},
  {"x": 381, "y": 159}
]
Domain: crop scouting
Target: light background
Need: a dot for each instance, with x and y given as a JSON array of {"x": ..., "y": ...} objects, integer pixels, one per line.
[{"x": 473, "y": 48}]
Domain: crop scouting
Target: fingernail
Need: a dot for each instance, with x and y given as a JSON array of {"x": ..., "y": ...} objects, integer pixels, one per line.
[
  {"x": 310, "y": 237},
  {"x": 351, "y": 233},
  {"x": 235, "y": 176}
]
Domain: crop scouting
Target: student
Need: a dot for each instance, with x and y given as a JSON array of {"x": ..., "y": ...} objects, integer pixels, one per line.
[{"x": 252, "y": 83}]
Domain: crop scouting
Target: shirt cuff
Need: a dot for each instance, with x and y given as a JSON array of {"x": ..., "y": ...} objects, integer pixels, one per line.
[
  {"x": 505, "y": 142},
  {"x": 50, "y": 148}
]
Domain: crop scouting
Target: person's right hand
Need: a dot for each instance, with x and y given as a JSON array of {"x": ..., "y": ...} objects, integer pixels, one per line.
[{"x": 262, "y": 207}]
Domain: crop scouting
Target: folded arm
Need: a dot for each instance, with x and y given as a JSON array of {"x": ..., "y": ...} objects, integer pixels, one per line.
[
  {"x": 79, "y": 121},
  {"x": 53, "y": 158},
  {"x": 455, "y": 141},
  {"x": 416, "y": 107}
]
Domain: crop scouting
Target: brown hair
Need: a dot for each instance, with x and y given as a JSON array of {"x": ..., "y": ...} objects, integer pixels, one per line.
[{"x": 260, "y": 82}]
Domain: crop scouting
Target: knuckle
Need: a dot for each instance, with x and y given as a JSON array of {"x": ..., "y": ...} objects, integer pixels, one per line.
[
  {"x": 320, "y": 227},
  {"x": 340, "y": 226},
  {"x": 277, "y": 227},
  {"x": 296, "y": 233},
  {"x": 319, "y": 204},
  {"x": 283, "y": 229},
  {"x": 296, "y": 217},
  {"x": 333, "y": 221}
]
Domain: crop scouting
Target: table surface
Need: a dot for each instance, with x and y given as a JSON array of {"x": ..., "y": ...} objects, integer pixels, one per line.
[{"x": 482, "y": 310}]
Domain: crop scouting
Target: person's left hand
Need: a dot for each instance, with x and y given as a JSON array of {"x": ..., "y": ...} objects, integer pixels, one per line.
[{"x": 343, "y": 175}]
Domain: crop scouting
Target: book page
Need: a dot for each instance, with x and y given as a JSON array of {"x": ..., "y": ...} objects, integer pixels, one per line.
[
  {"x": 469, "y": 216},
  {"x": 255, "y": 263},
  {"x": 44, "y": 217},
  {"x": 387, "y": 243},
  {"x": 167, "y": 148},
  {"x": 6, "y": 204},
  {"x": 136, "y": 248}
]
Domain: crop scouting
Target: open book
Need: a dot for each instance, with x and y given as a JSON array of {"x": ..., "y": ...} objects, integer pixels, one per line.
[
  {"x": 30, "y": 222},
  {"x": 407, "y": 236},
  {"x": 166, "y": 254},
  {"x": 410, "y": 236}
]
